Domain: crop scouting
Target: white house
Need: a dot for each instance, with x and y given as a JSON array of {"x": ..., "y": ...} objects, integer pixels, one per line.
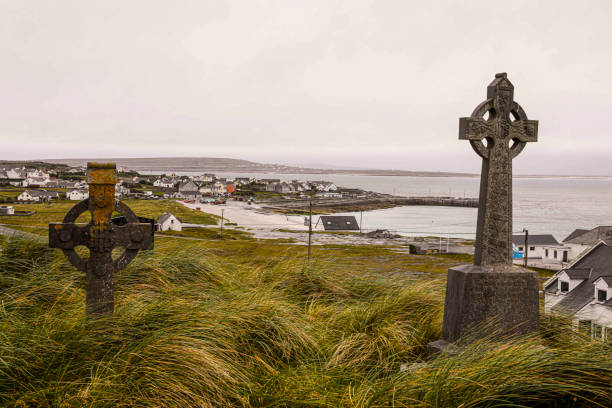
[
  {"x": 16, "y": 173},
  {"x": 583, "y": 290},
  {"x": 283, "y": 188},
  {"x": 7, "y": 210},
  {"x": 35, "y": 173},
  {"x": 205, "y": 178},
  {"x": 581, "y": 240},
  {"x": 165, "y": 182},
  {"x": 121, "y": 190},
  {"x": 59, "y": 183},
  {"x": 323, "y": 185},
  {"x": 37, "y": 195},
  {"x": 544, "y": 251},
  {"x": 206, "y": 188},
  {"x": 167, "y": 221},
  {"x": 77, "y": 194},
  {"x": 242, "y": 180},
  {"x": 35, "y": 181},
  {"x": 187, "y": 186},
  {"x": 219, "y": 187},
  {"x": 213, "y": 188}
]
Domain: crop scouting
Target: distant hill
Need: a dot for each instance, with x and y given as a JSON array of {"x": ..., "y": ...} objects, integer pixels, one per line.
[{"x": 226, "y": 165}]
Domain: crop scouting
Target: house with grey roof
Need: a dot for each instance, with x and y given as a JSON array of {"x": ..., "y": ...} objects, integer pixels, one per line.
[
  {"x": 38, "y": 195},
  {"x": 323, "y": 185},
  {"x": 165, "y": 182},
  {"x": 543, "y": 251},
  {"x": 337, "y": 223},
  {"x": 583, "y": 290},
  {"x": 581, "y": 239},
  {"x": 77, "y": 194},
  {"x": 188, "y": 190},
  {"x": 168, "y": 222}
]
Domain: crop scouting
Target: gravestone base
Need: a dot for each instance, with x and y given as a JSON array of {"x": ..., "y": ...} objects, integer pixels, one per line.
[{"x": 503, "y": 296}]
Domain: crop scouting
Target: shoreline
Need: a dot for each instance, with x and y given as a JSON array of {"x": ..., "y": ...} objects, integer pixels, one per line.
[
  {"x": 263, "y": 224},
  {"x": 331, "y": 206}
]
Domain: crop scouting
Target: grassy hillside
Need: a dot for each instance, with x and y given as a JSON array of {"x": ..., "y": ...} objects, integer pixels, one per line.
[
  {"x": 45, "y": 213},
  {"x": 249, "y": 323}
]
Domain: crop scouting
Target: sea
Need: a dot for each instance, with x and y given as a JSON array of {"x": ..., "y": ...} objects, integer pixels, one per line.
[{"x": 542, "y": 205}]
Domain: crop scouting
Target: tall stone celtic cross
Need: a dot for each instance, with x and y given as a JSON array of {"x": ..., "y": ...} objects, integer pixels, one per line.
[
  {"x": 504, "y": 126},
  {"x": 100, "y": 236},
  {"x": 493, "y": 294}
]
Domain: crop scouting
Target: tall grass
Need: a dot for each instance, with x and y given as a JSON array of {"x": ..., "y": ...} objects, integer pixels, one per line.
[{"x": 193, "y": 329}]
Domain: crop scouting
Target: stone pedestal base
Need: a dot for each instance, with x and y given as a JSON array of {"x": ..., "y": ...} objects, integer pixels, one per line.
[{"x": 502, "y": 295}]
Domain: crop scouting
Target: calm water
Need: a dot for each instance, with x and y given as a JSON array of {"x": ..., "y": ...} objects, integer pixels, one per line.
[{"x": 543, "y": 205}]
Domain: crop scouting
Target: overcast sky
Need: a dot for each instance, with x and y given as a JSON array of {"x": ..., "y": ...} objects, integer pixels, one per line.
[{"x": 376, "y": 84}]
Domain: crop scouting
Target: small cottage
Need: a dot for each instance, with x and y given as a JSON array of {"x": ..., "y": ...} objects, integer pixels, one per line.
[
  {"x": 168, "y": 222},
  {"x": 38, "y": 195},
  {"x": 337, "y": 223},
  {"x": 77, "y": 194}
]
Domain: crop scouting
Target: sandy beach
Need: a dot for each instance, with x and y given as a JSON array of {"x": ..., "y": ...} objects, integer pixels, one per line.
[{"x": 252, "y": 216}]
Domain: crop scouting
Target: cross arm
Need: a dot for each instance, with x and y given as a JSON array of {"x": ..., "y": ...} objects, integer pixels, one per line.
[
  {"x": 524, "y": 130},
  {"x": 474, "y": 129},
  {"x": 67, "y": 235},
  {"x": 129, "y": 236},
  {"x": 133, "y": 236}
]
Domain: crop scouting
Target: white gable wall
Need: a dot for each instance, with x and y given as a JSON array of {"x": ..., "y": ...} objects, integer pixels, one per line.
[
  {"x": 172, "y": 224},
  {"x": 576, "y": 249},
  {"x": 601, "y": 285},
  {"x": 563, "y": 276}
]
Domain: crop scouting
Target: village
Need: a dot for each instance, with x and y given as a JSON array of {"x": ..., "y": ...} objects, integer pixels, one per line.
[{"x": 24, "y": 184}]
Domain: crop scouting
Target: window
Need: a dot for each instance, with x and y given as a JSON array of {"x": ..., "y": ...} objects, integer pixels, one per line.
[
  {"x": 601, "y": 295},
  {"x": 546, "y": 253},
  {"x": 564, "y": 286},
  {"x": 555, "y": 254},
  {"x": 520, "y": 248},
  {"x": 532, "y": 248},
  {"x": 597, "y": 331}
]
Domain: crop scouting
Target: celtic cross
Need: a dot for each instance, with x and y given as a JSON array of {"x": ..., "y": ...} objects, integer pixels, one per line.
[
  {"x": 504, "y": 126},
  {"x": 100, "y": 236}
]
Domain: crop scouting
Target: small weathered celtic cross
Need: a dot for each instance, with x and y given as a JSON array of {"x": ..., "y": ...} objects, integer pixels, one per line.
[
  {"x": 100, "y": 236},
  {"x": 506, "y": 131}
]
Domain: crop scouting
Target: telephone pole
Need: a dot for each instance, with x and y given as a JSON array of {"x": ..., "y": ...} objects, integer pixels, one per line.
[
  {"x": 309, "y": 229},
  {"x": 223, "y": 209},
  {"x": 526, "y": 231},
  {"x": 360, "y": 220}
]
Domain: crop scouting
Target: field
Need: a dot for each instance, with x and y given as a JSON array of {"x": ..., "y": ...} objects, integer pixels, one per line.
[
  {"x": 55, "y": 211},
  {"x": 228, "y": 320}
]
